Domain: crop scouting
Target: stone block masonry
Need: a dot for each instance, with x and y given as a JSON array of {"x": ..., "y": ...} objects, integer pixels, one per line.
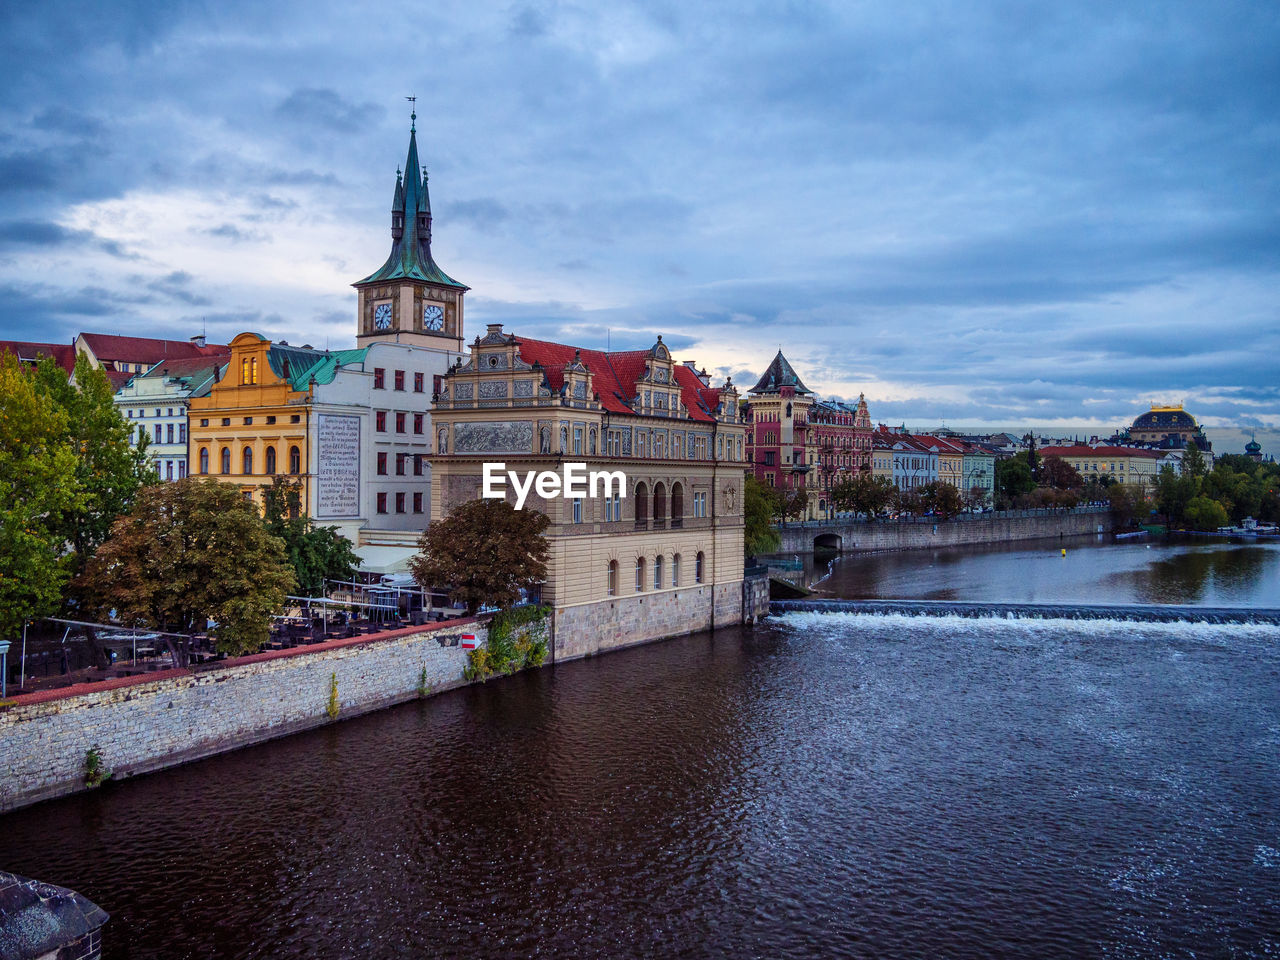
[{"x": 139, "y": 725}]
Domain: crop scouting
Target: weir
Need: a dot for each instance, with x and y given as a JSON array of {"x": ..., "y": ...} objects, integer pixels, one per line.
[{"x": 1133, "y": 612}]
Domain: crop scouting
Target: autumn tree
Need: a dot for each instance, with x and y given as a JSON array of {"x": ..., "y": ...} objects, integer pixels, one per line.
[
  {"x": 38, "y": 480},
  {"x": 485, "y": 552},
  {"x": 316, "y": 553},
  {"x": 1060, "y": 475},
  {"x": 1127, "y": 501},
  {"x": 864, "y": 493},
  {"x": 759, "y": 504},
  {"x": 189, "y": 552},
  {"x": 941, "y": 498}
]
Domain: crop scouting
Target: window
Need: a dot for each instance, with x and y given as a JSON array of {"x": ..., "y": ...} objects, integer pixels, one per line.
[
  {"x": 577, "y": 510},
  {"x": 248, "y": 421},
  {"x": 400, "y": 420},
  {"x": 419, "y": 421},
  {"x": 226, "y": 460},
  {"x": 382, "y": 503},
  {"x": 182, "y": 469},
  {"x": 639, "y": 574},
  {"x": 380, "y": 421},
  {"x": 248, "y": 372},
  {"x": 611, "y": 579},
  {"x": 437, "y": 382},
  {"x": 697, "y": 568},
  {"x": 157, "y": 411},
  {"x": 157, "y": 429},
  {"x": 382, "y": 464},
  {"x": 417, "y": 503},
  {"x": 168, "y": 469},
  {"x": 204, "y": 460},
  {"x": 295, "y": 418},
  {"x": 168, "y": 433},
  {"x": 399, "y": 379},
  {"x": 295, "y": 460},
  {"x": 204, "y": 423},
  {"x": 400, "y": 458},
  {"x": 271, "y": 418},
  {"x": 271, "y": 460},
  {"x": 379, "y": 382},
  {"x": 657, "y": 572},
  {"x": 226, "y": 421},
  {"x": 400, "y": 498},
  {"x": 182, "y": 433},
  {"x": 419, "y": 382},
  {"x": 675, "y": 570},
  {"x": 577, "y": 441},
  {"x": 246, "y": 459},
  {"x": 417, "y": 464}
]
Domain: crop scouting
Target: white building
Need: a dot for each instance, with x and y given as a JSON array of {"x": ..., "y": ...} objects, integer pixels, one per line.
[{"x": 155, "y": 404}]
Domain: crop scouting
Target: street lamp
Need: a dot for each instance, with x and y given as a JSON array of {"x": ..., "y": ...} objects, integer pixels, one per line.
[{"x": 4, "y": 669}]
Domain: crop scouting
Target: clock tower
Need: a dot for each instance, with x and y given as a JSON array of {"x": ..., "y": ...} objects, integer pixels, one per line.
[{"x": 410, "y": 299}]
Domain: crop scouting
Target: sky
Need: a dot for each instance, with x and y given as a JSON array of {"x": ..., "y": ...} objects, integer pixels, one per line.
[{"x": 977, "y": 213}]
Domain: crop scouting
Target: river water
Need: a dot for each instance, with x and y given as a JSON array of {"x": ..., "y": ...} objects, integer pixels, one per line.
[{"x": 821, "y": 785}]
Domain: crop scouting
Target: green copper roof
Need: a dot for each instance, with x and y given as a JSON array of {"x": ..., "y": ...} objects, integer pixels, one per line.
[
  {"x": 779, "y": 375},
  {"x": 299, "y": 366},
  {"x": 411, "y": 254}
]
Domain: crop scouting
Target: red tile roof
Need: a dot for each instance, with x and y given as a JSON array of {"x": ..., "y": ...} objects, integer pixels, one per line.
[
  {"x": 614, "y": 375},
  {"x": 1083, "y": 450},
  {"x": 63, "y": 354},
  {"x": 109, "y": 347},
  {"x": 118, "y": 378},
  {"x": 185, "y": 366}
]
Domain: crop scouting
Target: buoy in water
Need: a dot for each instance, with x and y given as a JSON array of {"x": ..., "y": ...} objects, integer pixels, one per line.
[{"x": 1064, "y": 551}]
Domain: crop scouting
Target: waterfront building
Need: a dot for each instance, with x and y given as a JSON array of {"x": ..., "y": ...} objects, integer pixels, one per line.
[
  {"x": 881, "y": 456},
  {"x": 665, "y": 558},
  {"x": 978, "y": 466},
  {"x": 1167, "y": 427},
  {"x": 778, "y": 438},
  {"x": 914, "y": 459},
  {"x": 841, "y": 434},
  {"x": 1133, "y": 465},
  {"x": 950, "y": 458},
  {"x": 155, "y": 404}
]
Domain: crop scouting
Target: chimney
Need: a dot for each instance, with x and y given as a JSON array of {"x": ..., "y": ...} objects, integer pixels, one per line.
[
  {"x": 198, "y": 340},
  {"x": 493, "y": 328}
]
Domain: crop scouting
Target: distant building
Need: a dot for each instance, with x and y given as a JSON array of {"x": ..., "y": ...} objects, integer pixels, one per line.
[
  {"x": 778, "y": 439},
  {"x": 1132, "y": 465},
  {"x": 29, "y": 352},
  {"x": 1169, "y": 428},
  {"x": 155, "y": 404},
  {"x": 121, "y": 357},
  {"x": 1253, "y": 450}
]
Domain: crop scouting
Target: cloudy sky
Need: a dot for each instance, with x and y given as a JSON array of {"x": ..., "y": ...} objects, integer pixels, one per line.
[{"x": 981, "y": 212}]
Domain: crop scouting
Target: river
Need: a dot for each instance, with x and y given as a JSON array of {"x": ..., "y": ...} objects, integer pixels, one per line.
[{"x": 820, "y": 785}]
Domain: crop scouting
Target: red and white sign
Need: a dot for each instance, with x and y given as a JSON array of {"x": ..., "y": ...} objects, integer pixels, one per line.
[{"x": 469, "y": 641}]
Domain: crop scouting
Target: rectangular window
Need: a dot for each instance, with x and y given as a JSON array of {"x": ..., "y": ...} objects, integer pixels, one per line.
[
  {"x": 382, "y": 503},
  {"x": 182, "y": 433},
  {"x": 168, "y": 469},
  {"x": 379, "y": 382},
  {"x": 577, "y": 510},
  {"x": 248, "y": 421},
  {"x": 417, "y": 503},
  {"x": 417, "y": 464},
  {"x": 437, "y": 381},
  {"x": 400, "y": 420},
  {"x": 382, "y": 464},
  {"x": 204, "y": 423},
  {"x": 295, "y": 418},
  {"x": 400, "y": 464},
  {"x": 168, "y": 433},
  {"x": 418, "y": 386},
  {"x": 400, "y": 497},
  {"x": 157, "y": 433},
  {"x": 380, "y": 421},
  {"x": 399, "y": 382},
  {"x": 418, "y": 420},
  {"x": 182, "y": 469},
  {"x": 577, "y": 441},
  {"x": 271, "y": 419}
]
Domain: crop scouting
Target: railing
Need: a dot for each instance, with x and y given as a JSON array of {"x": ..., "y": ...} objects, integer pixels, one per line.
[{"x": 962, "y": 517}]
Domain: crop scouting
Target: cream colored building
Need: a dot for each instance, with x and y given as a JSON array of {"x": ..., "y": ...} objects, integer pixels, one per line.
[
  {"x": 1131, "y": 465},
  {"x": 664, "y": 559}
]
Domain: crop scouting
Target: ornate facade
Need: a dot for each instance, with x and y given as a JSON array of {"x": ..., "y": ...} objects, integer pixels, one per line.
[{"x": 666, "y": 557}]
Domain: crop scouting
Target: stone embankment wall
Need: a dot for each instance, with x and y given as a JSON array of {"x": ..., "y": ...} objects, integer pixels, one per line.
[
  {"x": 139, "y": 725},
  {"x": 892, "y": 535}
]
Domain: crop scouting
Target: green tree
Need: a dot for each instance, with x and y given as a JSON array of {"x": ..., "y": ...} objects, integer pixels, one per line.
[
  {"x": 485, "y": 552},
  {"x": 1193, "y": 462},
  {"x": 1203, "y": 513},
  {"x": 109, "y": 471},
  {"x": 1014, "y": 478},
  {"x": 39, "y": 479},
  {"x": 793, "y": 503},
  {"x": 864, "y": 494},
  {"x": 188, "y": 552},
  {"x": 316, "y": 553},
  {"x": 759, "y": 504},
  {"x": 942, "y": 498},
  {"x": 1127, "y": 502},
  {"x": 1174, "y": 492}
]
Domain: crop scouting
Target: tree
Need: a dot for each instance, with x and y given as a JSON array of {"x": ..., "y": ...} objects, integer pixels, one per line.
[
  {"x": 1013, "y": 477},
  {"x": 1060, "y": 475},
  {"x": 1127, "y": 501},
  {"x": 109, "y": 471},
  {"x": 864, "y": 494},
  {"x": 941, "y": 498},
  {"x": 909, "y": 501},
  {"x": 38, "y": 480},
  {"x": 1174, "y": 492},
  {"x": 759, "y": 504},
  {"x": 1205, "y": 514},
  {"x": 485, "y": 552},
  {"x": 793, "y": 503},
  {"x": 1193, "y": 462},
  {"x": 188, "y": 552},
  {"x": 316, "y": 553}
]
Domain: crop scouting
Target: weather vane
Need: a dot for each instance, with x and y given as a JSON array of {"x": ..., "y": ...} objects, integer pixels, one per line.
[{"x": 414, "y": 115}]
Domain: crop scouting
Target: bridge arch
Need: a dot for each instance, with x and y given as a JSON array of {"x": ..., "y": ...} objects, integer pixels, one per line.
[{"x": 828, "y": 541}]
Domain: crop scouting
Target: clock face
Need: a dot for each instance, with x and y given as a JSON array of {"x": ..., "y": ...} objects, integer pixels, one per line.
[
  {"x": 382, "y": 316},
  {"x": 432, "y": 317}
]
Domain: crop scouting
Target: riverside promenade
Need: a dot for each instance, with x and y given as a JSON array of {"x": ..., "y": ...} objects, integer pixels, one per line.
[{"x": 851, "y": 535}]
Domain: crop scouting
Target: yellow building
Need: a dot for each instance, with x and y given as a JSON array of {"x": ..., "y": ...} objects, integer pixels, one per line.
[{"x": 1122, "y": 464}]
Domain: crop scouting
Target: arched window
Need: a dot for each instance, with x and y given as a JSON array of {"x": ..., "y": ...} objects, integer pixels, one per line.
[
  {"x": 697, "y": 568},
  {"x": 659, "y": 505},
  {"x": 247, "y": 461},
  {"x": 295, "y": 460},
  {"x": 271, "y": 460},
  {"x": 204, "y": 459},
  {"x": 639, "y": 574},
  {"x": 675, "y": 570},
  {"x": 657, "y": 572},
  {"x": 642, "y": 504},
  {"x": 591, "y": 446},
  {"x": 677, "y": 505},
  {"x": 226, "y": 460},
  {"x": 611, "y": 579}
]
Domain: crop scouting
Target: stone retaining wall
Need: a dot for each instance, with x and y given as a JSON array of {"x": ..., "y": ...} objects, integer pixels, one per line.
[
  {"x": 144, "y": 724},
  {"x": 890, "y": 535}
]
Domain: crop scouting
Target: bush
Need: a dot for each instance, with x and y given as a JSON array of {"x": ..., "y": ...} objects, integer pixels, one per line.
[
  {"x": 1201, "y": 513},
  {"x": 517, "y": 639}
]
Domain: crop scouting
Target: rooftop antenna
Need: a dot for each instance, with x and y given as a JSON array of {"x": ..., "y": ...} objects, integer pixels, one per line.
[{"x": 413, "y": 116}]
